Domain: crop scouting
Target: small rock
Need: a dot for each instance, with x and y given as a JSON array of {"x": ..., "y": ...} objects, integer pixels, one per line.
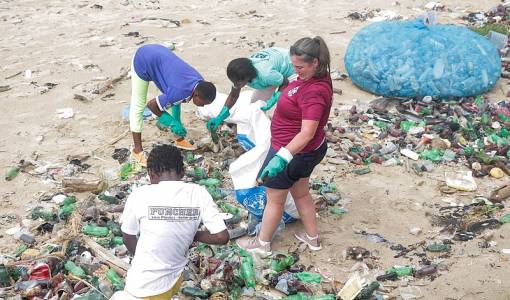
[
  {"x": 415, "y": 230},
  {"x": 497, "y": 173}
]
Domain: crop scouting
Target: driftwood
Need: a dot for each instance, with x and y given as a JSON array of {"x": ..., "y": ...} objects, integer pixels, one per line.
[
  {"x": 102, "y": 88},
  {"x": 106, "y": 257},
  {"x": 79, "y": 185}
]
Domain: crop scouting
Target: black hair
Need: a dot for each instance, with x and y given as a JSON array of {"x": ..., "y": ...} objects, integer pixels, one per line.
[
  {"x": 309, "y": 49},
  {"x": 206, "y": 90},
  {"x": 241, "y": 69},
  {"x": 165, "y": 158}
]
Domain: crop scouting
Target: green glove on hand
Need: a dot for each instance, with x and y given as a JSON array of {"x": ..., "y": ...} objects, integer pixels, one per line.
[
  {"x": 276, "y": 164},
  {"x": 271, "y": 101},
  {"x": 214, "y": 123},
  {"x": 176, "y": 126}
]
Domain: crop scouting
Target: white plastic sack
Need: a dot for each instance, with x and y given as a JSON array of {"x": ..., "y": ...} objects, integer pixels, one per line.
[{"x": 239, "y": 115}]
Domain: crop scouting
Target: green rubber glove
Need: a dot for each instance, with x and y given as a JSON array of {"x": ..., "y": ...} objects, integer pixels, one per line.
[
  {"x": 214, "y": 123},
  {"x": 176, "y": 112},
  {"x": 271, "y": 101},
  {"x": 167, "y": 120},
  {"x": 276, "y": 164}
]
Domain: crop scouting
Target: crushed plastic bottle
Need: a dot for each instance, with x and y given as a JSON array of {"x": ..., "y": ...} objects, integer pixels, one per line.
[
  {"x": 125, "y": 170},
  {"x": 108, "y": 199},
  {"x": 366, "y": 292},
  {"x": 308, "y": 277},
  {"x": 247, "y": 269},
  {"x": 12, "y": 173},
  {"x": 72, "y": 268},
  {"x": 97, "y": 231},
  {"x": 195, "y": 292},
  {"x": 116, "y": 281},
  {"x": 281, "y": 262}
]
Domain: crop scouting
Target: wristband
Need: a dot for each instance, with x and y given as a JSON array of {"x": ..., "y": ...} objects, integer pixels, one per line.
[{"x": 285, "y": 154}]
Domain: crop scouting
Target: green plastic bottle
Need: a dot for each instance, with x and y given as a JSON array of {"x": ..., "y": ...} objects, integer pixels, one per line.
[
  {"x": 195, "y": 292},
  {"x": 209, "y": 182},
  {"x": 5, "y": 280},
  {"x": 20, "y": 250},
  {"x": 228, "y": 208},
  {"x": 65, "y": 211},
  {"x": 114, "y": 227},
  {"x": 46, "y": 215},
  {"x": 68, "y": 200},
  {"x": 280, "y": 263},
  {"x": 95, "y": 230},
  {"x": 505, "y": 219},
  {"x": 438, "y": 247},
  {"x": 308, "y": 277},
  {"x": 115, "y": 279},
  {"x": 108, "y": 199},
  {"x": 366, "y": 292},
  {"x": 117, "y": 241},
  {"x": 125, "y": 171},
  {"x": 12, "y": 173},
  {"x": 74, "y": 269},
  {"x": 401, "y": 271},
  {"x": 247, "y": 270},
  {"x": 301, "y": 296}
]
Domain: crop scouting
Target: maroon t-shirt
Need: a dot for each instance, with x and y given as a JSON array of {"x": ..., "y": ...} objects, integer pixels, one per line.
[{"x": 302, "y": 100}]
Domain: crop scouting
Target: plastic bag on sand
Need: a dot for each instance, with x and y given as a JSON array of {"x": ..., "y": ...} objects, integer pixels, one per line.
[
  {"x": 254, "y": 133},
  {"x": 461, "y": 180}
]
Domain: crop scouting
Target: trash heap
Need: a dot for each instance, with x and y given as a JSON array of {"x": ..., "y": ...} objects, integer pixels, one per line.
[{"x": 469, "y": 131}]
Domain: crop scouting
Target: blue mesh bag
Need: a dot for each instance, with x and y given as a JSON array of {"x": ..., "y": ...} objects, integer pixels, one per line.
[{"x": 411, "y": 59}]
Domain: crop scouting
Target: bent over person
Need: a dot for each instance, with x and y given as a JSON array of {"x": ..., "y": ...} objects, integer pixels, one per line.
[{"x": 178, "y": 83}]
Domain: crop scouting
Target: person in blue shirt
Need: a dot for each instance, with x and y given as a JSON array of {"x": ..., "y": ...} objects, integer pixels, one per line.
[
  {"x": 265, "y": 71},
  {"x": 178, "y": 83}
]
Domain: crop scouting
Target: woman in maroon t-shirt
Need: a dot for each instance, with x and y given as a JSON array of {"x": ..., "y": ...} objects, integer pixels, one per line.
[{"x": 297, "y": 144}]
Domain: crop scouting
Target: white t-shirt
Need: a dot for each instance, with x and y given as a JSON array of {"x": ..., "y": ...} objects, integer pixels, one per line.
[{"x": 167, "y": 216}]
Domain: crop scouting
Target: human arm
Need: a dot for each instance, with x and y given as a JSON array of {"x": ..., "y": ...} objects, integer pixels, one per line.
[
  {"x": 130, "y": 241},
  {"x": 205, "y": 236},
  {"x": 215, "y": 122}
]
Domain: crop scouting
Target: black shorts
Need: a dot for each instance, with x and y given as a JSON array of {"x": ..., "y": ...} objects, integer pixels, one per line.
[{"x": 301, "y": 166}]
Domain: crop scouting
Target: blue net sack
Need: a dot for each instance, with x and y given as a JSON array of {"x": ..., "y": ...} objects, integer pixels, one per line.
[{"x": 411, "y": 59}]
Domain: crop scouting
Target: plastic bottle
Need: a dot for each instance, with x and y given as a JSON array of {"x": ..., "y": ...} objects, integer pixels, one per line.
[
  {"x": 68, "y": 200},
  {"x": 505, "y": 219},
  {"x": 74, "y": 269},
  {"x": 117, "y": 241},
  {"x": 427, "y": 270},
  {"x": 20, "y": 250},
  {"x": 195, "y": 292},
  {"x": 125, "y": 171},
  {"x": 301, "y": 296},
  {"x": 247, "y": 270},
  {"x": 108, "y": 199},
  {"x": 95, "y": 230},
  {"x": 308, "y": 277},
  {"x": 114, "y": 227},
  {"x": 12, "y": 173},
  {"x": 281, "y": 262},
  {"x": 46, "y": 215},
  {"x": 438, "y": 247},
  {"x": 366, "y": 292},
  {"x": 65, "y": 211},
  {"x": 5, "y": 280},
  {"x": 116, "y": 281},
  {"x": 209, "y": 182},
  {"x": 228, "y": 208}
]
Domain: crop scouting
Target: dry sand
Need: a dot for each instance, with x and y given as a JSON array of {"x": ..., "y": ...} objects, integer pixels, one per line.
[{"x": 75, "y": 45}]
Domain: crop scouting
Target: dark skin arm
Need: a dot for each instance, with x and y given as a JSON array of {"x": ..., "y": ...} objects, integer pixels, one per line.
[
  {"x": 137, "y": 136},
  {"x": 130, "y": 241},
  {"x": 232, "y": 97},
  {"x": 219, "y": 238}
]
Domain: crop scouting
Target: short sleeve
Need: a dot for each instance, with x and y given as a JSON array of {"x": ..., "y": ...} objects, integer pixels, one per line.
[
  {"x": 209, "y": 212},
  {"x": 173, "y": 97},
  {"x": 130, "y": 223},
  {"x": 313, "y": 105},
  {"x": 273, "y": 78}
]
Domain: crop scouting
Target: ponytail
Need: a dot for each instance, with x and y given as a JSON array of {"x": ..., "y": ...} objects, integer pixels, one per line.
[{"x": 310, "y": 48}]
